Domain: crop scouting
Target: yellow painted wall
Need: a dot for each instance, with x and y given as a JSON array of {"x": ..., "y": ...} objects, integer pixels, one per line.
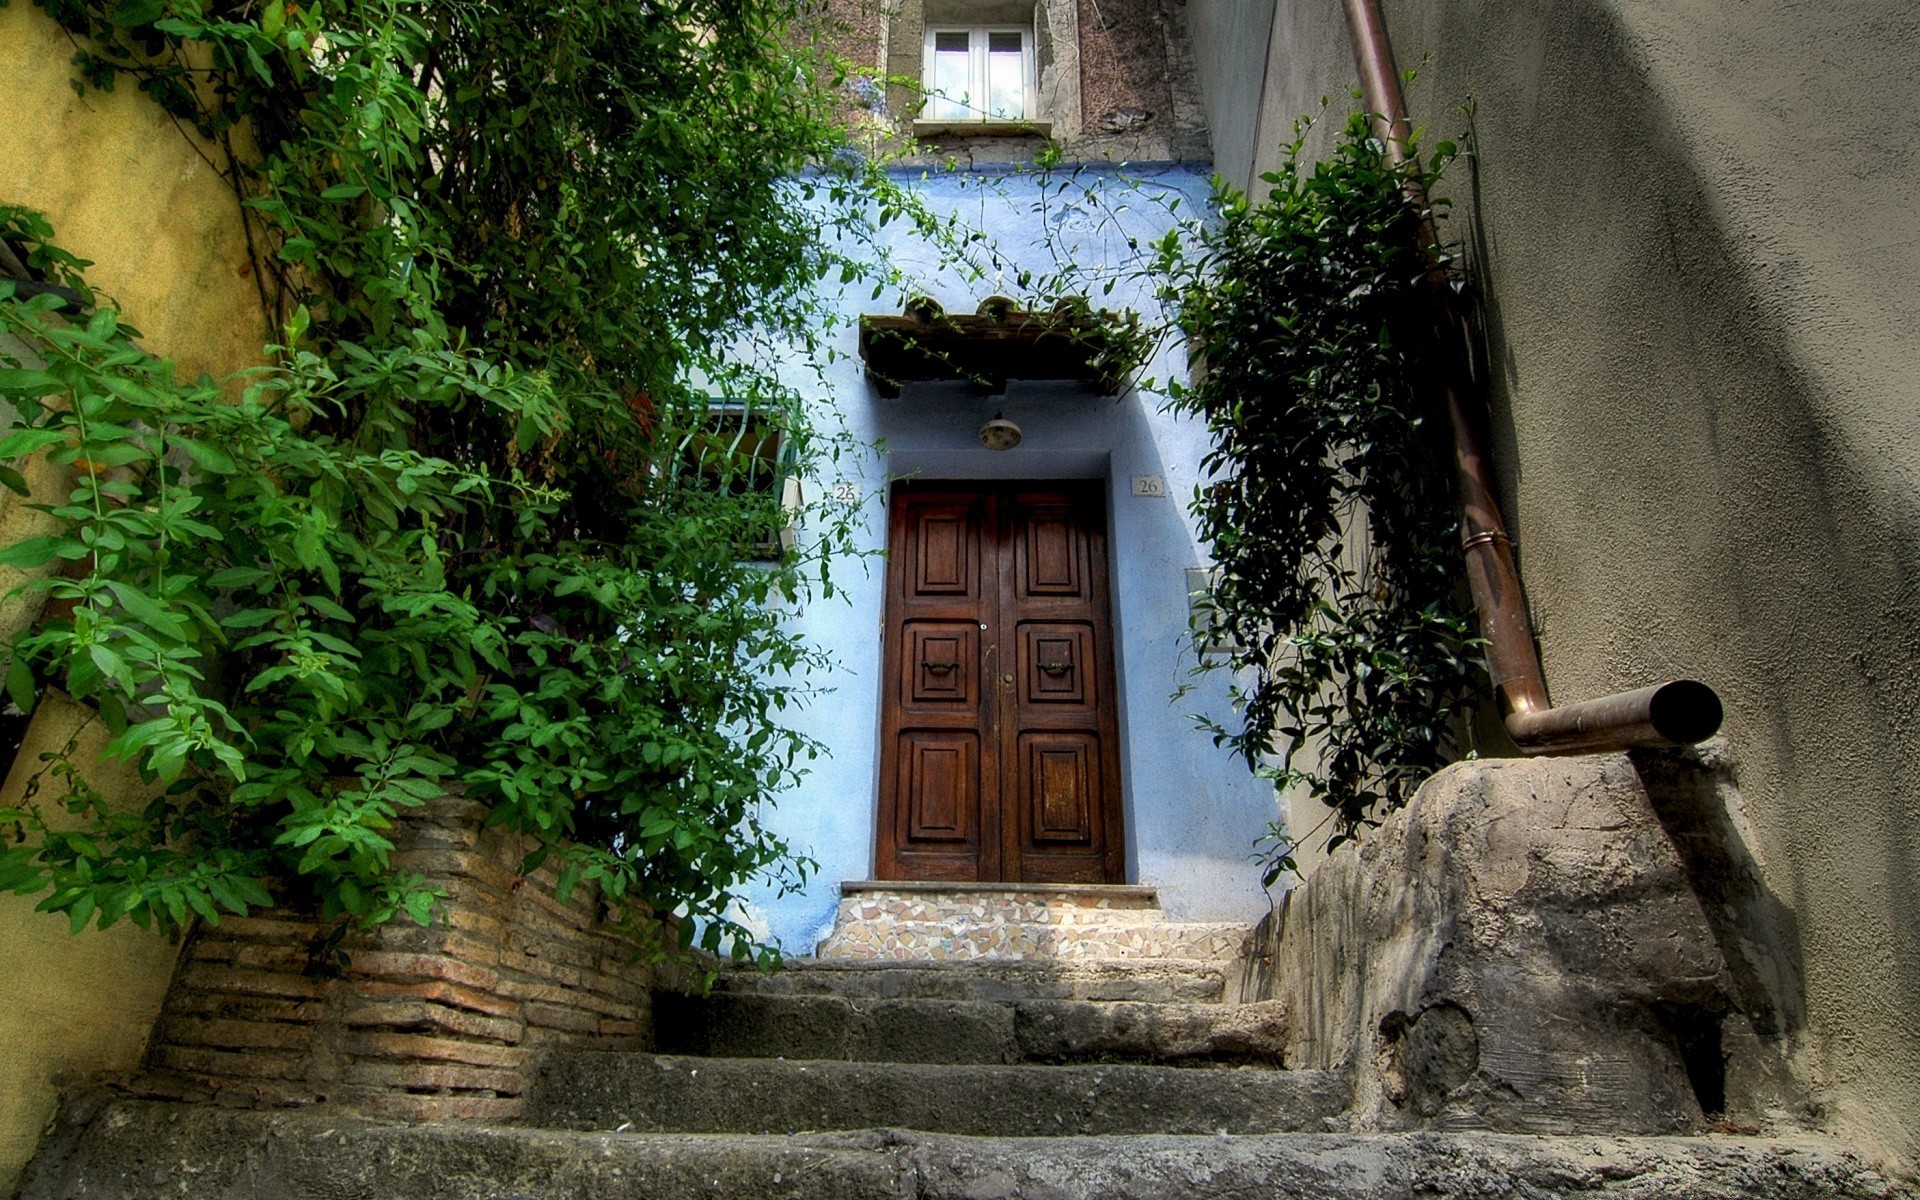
[
  {"x": 71, "y": 1007},
  {"x": 123, "y": 187}
]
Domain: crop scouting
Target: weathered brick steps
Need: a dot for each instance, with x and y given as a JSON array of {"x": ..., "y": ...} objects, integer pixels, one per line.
[
  {"x": 668, "y": 1094},
  {"x": 131, "y": 1150},
  {"x": 749, "y": 1025},
  {"x": 442, "y": 1021}
]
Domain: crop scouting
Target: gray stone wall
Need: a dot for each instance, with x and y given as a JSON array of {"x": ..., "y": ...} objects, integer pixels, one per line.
[{"x": 1694, "y": 226}]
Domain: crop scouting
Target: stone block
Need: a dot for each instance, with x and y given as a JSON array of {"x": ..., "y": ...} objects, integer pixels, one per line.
[
  {"x": 1514, "y": 950},
  {"x": 752, "y": 1026},
  {"x": 1081, "y": 1031},
  {"x": 657, "y": 1094},
  {"x": 932, "y": 1031}
]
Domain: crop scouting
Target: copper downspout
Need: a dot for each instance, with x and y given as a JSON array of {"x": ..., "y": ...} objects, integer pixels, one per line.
[{"x": 1677, "y": 713}]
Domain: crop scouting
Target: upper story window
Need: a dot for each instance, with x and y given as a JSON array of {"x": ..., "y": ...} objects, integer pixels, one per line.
[{"x": 979, "y": 73}]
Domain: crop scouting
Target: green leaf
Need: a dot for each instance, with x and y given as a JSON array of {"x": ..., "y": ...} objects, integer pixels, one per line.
[
  {"x": 21, "y": 688},
  {"x": 148, "y": 611},
  {"x": 211, "y": 459},
  {"x": 16, "y": 381},
  {"x": 35, "y": 552},
  {"x": 236, "y": 577},
  {"x": 129, "y": 13},
  {"x": 26, "y": 441}
]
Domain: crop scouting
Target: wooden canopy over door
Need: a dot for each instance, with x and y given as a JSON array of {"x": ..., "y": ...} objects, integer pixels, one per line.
[{"x": 1000, "y": 758}]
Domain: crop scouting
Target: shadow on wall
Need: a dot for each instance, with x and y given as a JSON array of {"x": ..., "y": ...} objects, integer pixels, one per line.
[
  {"x": 1746, "y": 1049},
  {"x": 1700, "y": 334}
]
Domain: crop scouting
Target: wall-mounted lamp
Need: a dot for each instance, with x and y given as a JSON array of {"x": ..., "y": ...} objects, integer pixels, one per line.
[{"x": 999, "y": 434}]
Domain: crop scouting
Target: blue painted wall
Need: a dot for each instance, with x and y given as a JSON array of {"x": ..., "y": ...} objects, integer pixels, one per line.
[{"x": 1192, "y": 814}]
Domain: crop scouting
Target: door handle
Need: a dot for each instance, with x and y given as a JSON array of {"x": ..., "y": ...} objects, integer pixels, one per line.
[
  {"x": 938, "y": 668},
  {"x": 1056, "y": 668}
]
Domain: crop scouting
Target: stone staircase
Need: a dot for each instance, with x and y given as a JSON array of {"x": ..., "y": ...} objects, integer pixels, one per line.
[
  {"x": 929, "y": 1009},
  {"x": 978, "y": 1044}
]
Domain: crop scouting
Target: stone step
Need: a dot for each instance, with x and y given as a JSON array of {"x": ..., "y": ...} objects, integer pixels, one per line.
[
  {"x": 645, "y": 1093},
  {"x": 135, "y": 1150},
  {"x": 749, "y": 1025},
  {"x": 960, "y": 938},
  {"x": 1002, "y": 980},
  {"x": 1016, "y": 903}
]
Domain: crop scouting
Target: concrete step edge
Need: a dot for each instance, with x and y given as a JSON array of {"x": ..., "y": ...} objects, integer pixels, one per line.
[
  {"x": 1092, "y": 979},
  {"x": 106, "y": 1146},
  {"x": 670, "y": 1093},
  {"x": 1025, "y": 1030}
]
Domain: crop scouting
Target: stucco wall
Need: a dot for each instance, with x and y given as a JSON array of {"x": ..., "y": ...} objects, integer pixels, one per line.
[
  {"x": 71, "y": 1007},
  {"x": 1696, "y": 228},
  {"x": 1192, "y": 814},
  {"x": 123, "y": 187}
]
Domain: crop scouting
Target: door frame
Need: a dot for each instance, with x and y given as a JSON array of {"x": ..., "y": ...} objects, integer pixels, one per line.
[{"x": 1001, "y": 856}]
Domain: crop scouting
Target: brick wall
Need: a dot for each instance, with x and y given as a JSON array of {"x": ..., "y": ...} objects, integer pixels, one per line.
[{"x": 445, "y": 1021}]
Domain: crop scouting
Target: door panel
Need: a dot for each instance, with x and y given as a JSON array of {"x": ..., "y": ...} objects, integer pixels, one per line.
[
  {"x": 1056, "y": 660},
  {"x": 1052, "y": 552},
  {"x": 942, "y": 785},
  {"x": 945, "y": 548},
  {"x": 941, "y": 666},
  {"x": 1000, "y": 740},
  {"x": 1062, "y": 785}
]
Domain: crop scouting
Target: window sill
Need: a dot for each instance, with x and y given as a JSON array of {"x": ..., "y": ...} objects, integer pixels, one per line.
[{"x": 923, "y": 129}]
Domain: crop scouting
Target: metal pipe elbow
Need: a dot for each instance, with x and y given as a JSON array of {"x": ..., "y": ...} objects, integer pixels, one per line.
[{"x": 1679, "y": 712}]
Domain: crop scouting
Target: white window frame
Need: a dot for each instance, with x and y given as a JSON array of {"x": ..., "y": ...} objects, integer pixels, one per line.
[{"x": 977, "y": 69}]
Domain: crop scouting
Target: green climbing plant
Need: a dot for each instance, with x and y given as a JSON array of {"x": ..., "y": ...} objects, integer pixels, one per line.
[
  {"x": 1338, "y": 605},
  {"x": 472, "y": 522}
]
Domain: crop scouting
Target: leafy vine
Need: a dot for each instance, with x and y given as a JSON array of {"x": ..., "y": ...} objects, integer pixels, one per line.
[
  {"x": 473, "y": 522},
  {"x": 1330, "y": 511}
]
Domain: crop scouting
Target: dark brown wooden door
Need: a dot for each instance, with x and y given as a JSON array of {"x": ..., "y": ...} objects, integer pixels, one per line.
[{"x": 1000, "y": 755}]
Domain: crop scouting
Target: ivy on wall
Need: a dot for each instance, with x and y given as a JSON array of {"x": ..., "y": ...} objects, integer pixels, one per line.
[
  {"x": 471, "y": 523},
  {"x": 1339, "y": 606}
]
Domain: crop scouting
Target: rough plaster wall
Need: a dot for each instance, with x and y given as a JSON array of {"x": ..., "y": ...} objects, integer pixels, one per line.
[
  {"x": 124, "y": 188},
  {"x": 1695, "y": 223},
  {"x": 1230, "y": 39}
]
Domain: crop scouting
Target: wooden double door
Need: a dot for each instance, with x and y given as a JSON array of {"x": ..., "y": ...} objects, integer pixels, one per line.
[{"x": 1000, "y": 756}]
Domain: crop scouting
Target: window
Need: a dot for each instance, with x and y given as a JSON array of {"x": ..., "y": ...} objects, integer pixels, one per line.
[
  {"x": 743, "y": 453},
  {"x": 979, "y": 73}
]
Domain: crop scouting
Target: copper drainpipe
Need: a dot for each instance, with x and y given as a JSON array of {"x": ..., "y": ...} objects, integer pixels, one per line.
[{"x": 1679, "y": 712}]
